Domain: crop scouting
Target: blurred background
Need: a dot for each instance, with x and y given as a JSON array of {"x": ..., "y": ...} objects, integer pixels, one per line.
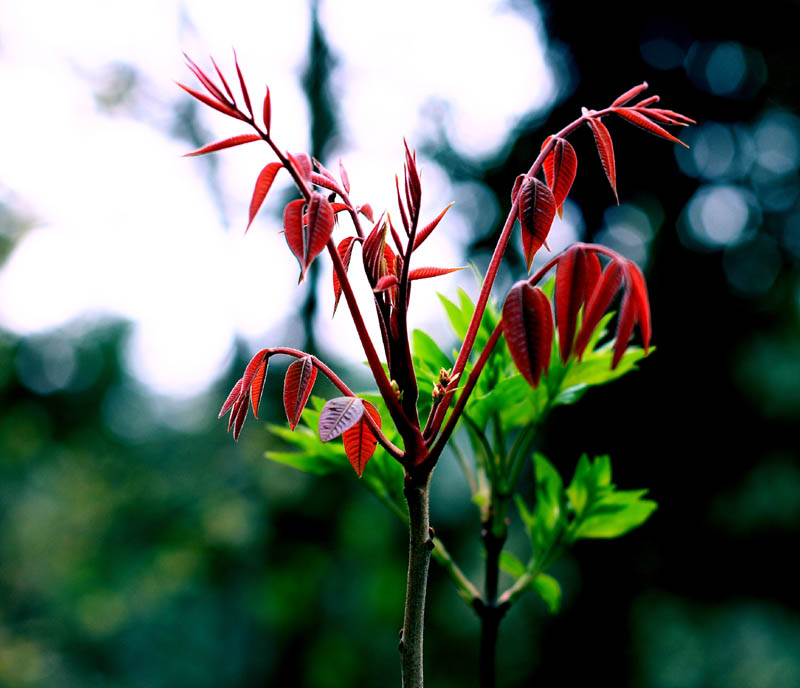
[{"x": 140, "y": 547}]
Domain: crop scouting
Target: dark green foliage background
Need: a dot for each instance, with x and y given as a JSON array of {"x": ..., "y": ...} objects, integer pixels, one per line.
[{"x": 135, "y": 554}]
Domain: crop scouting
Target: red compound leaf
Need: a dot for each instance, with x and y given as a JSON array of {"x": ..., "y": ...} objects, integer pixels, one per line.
[
  {"x": 640, "y": 120},
  {"x": 537, "y": 209},
  {"x": 528, "y": 329},
  {"x": 606, "y": 150},
  {"x": 297, "y": 386},
  {"x": 226, "y": 143},
  {"x": 263, "y": 185},
  {"x": 359, "y": 441},
  {"x": 597, "y": 304},
  {"x": 345, "y": 251},
  {"x": 560, "y": 167},
  {"x": 338, "y": 415}
]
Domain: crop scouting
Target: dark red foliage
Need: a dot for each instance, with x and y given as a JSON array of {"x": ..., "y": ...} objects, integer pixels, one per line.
[
  {"x": 528, "y": 329},
  {"x": 537, "y": 208}
]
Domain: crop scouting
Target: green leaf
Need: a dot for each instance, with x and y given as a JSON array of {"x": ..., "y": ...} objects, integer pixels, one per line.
[
  {"x": 549, "y": 590},
  {"x": 308, "y": 463},
  {"x": 615, "y": 515},
  {"x": 428, "y": 353},
  {"x": 511, "y": 565},
  {"x": 548, "y": 512},
  {"x": 459, "y": 321}
]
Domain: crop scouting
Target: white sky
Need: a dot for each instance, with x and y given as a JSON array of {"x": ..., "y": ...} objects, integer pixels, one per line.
[{"x": 124, "y": 225}]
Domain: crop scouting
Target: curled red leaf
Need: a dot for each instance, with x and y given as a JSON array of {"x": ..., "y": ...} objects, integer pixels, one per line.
[
  {"x": 638, "y": 289},
  {"x": 257, "y": 386},
  {"x": 528, "y": 330},
  {"x": 625, "y": 322},
  {"x": 598, "y": 303},
  {"x": 570, "y": 294},
  {"x": 537, "y": 209},
  {"x": 297, "y": 386}
]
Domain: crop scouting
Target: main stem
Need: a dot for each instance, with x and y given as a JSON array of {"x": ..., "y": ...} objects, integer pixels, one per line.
[
  {"x": 420, "y": 544},
  {"x": 491, "y": 613}
]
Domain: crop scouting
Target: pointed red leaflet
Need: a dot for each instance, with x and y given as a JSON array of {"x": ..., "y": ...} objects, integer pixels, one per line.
[
  {"x": 327, "y": 182},
  {"x": 359, "y": 441},
  {"x": 425, "y": 273},
  {"x": 224, "y": 83},
  {"x": 293, "y": 226},
  {"x": 648, "y": 125},
  {"x": 252, "y": 367},
  {"x": 570, "y": 293},
  {"x": 537, "y": 209},
  {"x": 598, "y": 303},
  {"x": 211, "y": 87},
  {"x": 425, "y": 232},
  {"x": 366, "y": 211},
  {"x": 518, "y": 181},
  {"x": 263, "y": 184},
  {"x": 403, "y": 215},
  {"x": 345, "y": 251},
  {"x": 245, "y": 94},
  {"x": 221, "y": 107},
  {"x": 302, "y": 163},
  {"x": 593, "y": 273},
  {"x": 373, "y": 252},
  {"x": 257, "y": 386},
  {"x": 267, "y": 111},
  {"x": 297, "y": 386},
  {"x": 528, "y": 329},
  {"x": 647, "y": 101},
  {"x": 338, "y": 415},
  {"x": 343, "y": 175},
  {"x": 239, "y": 416},
  {"x": 625, "y": 321},
  {"x": 606, "y": 150},
  {"x": 412, "y": 177},
  {"x": 638, "y": 288},
  {"x": 630, "y": 94},
  {"x": 319, "y": 227},
  {"x": 233, "y": 396},
  {"x": 385, "y": 283},
  {"x": 560, "y": 168},
  {"x": 226, "y": 143}
]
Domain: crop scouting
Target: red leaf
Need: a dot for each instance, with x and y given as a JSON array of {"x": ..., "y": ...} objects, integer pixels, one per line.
[
  {"x": 263, "y": 184},
  {"x": 252, "y": 368},
  {"x": 403, "y": 215},
  {"x": 638, "y": 288},
  {"x": 302, "y": 163},
  {"x": 570, "y": 292},
  {"x": 518, "y": 182},
  {"x": 221, "y": 107},
  {"x": 344, "y": 177},
  {"x": 528, "y": 329},
  {"x": 395, "y": 236},
  {"x": 233, "y": 396},
  {"x": 267, "y": 111},
  {"x": 680, "y": 119},
  {"x": 648, "y": 125},
  {"x": 345, "y": 251},
  {"x": 359, "y": 441},
  {"x": 560, "y": 167},
  {"x": 239, "y": 415},
  {"x": 293, "y": 226},
  {"x": 366, "y": 211},
  {"x": 224, "y": 83},
  {"x": 606, "y": 150},
  {"x": 647, "y": 101},
  {"x": 630, "y": 94},
  {"x": 373, "y": 253},
  {"x": 227, "y": 143},
  {"x": 297, "y": 386},
  {"x": 593, "y": 273},
  {"x": 625, "y": 322},
  {"x": 211, "y": 87},
  {"x": 242, "y": 84},
  {"x": 257, "y": 386},
  {"x": 327, "y": 182},
  {"x": 424, "y": 233},
  {"x": 339, "y": 207},
  {"x": 385, "y": 283},
  {"x": 537, "y": 209},
  {"x": 338, "y": 415},
  {"x": 319, "y": 227},
  {"x": 598, "y": 303},
  {"x": 425, "y": 273},
  {"x": 412, "y": 176}
]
